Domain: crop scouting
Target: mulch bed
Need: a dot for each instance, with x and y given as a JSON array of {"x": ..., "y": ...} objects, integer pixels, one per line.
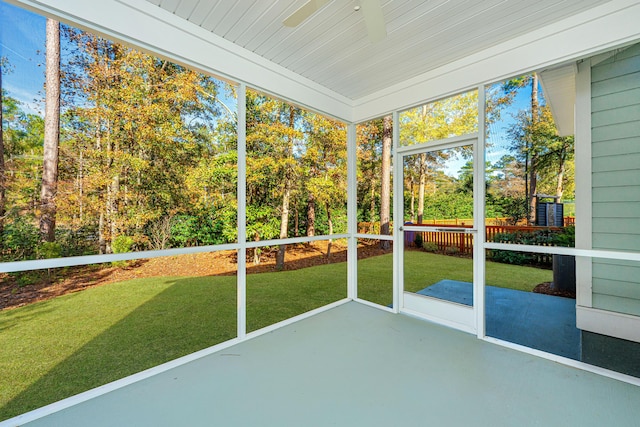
[
  {"x": 42, "y": 285},
  {"x": 547, "y": 289}
]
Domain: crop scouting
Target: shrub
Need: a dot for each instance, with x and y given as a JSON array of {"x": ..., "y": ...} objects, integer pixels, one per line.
[
  {"x": 511, "y": 257},
  {"x": 26, "y": 278},
  {"x": 194, "y": 230},
  {"x": 20, "y": 239},
  {"x": 544, "y": 237},
  {"x": 417, "y": 240},
  {"x": 77, "y": 242},
  {"x": 430, "y": 247},
  {"x": 122, "y": 244},
  {"x": 46, "y": 250},
  {"x": 567, "y": 237},
  {"x": 451, "y": 250}
]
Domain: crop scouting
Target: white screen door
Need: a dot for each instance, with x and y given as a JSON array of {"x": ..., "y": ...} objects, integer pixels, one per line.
[{"x": 439, "y": 213}]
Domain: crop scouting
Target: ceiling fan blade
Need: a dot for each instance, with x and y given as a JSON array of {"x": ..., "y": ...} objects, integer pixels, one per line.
[
  {"x": 374, "y": 19},
  {"x": 307, "y": 9}
]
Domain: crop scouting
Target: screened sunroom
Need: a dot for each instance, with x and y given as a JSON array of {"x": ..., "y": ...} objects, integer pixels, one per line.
[{"x": 354, "y": 212}]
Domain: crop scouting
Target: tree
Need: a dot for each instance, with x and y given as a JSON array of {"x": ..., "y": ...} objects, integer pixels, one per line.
[
  {"x": 3, "y": 177},
  {"x": 274, "y": 144},
  {"x": 549, "y": 157},
  {"x": 286, "y": 187},
  {"x": 369, "y": 161},
  {"x": 456, "y": 115},
  {"x": 526, "y": 139},
  {"x": 139, "y": 134},
  {"x": 51, "y": 133},
  {"x": 324, "y": 165},
  {"x": 385, "y": 188}
]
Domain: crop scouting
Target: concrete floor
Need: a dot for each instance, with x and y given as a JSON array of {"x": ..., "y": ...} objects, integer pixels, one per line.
[
  {"x": 358, "y": 366},
  {"x": 543, "y": 322}
]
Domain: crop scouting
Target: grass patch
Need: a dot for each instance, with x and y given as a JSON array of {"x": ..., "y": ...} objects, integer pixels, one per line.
[
  {"x": 421, "y": 269},
  {"x": 375, "y": 279},
  {"x": 273, "y": 297},
  {"x": 57, "y": 348}
]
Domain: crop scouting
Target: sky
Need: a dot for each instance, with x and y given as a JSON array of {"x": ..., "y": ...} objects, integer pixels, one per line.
[{"x": 22, "y": 37}]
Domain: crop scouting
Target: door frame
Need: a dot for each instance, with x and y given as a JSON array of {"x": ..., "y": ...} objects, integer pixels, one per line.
[{"x": 467, "y": 319}]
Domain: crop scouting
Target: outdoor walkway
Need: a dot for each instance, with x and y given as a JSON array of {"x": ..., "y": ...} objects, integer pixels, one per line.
[
  {"x": 543, "y": 322},
  {"x": 358, "y": 366}
]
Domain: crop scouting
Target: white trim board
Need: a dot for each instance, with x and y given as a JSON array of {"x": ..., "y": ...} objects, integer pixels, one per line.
[
  {"x": 618, "y": 325},
  {"x": 584, "y": 220}
]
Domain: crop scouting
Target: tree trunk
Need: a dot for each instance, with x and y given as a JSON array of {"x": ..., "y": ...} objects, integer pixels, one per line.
[
  {"x": 372, "y": 209},
  {"x": 413, "y": 200},
  {"x": 284, "y": 222},
  {"x": 561, "y": 171},
  {"x": 286, "y": 196},
  {"x": 296, "y": 220},
  {"x": 81, "y": 187},
  {"x": 533, "y": 157},
  {"x": 114, "y": 207},
  {"x": 421, "y": 184},
  {"x": 102, "y": 244},
  {"x": 256, "y": 251},
  {"x": 330, "y": 233},
  {"x": 51, "y": 133},
  {"x": 385, "y": 187},
  {"x": 311, "y": 215},
  {"x": 533, "y": 183},
  {"x": 3, "y": 176}
]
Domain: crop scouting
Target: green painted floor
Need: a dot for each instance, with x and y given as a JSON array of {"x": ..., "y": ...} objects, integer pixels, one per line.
[{"x": 358, "y": 366}]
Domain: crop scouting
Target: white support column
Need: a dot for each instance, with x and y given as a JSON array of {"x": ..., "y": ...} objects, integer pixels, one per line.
[
  {"x": 479, "y": 177},
  {"x": 352, "y": 213},
  {"x": 242, "y": 212},
  {"x": 584, "y": 266},
  {"x": 398, "y": 212}
]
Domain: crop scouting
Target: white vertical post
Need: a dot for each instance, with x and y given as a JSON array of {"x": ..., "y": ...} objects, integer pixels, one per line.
[
  {"x": 479, "y": 217},
  {"x": 584, "y": 214},
  {"x": 352, "y": 213},
  {"x": 398, "y": 216},
  {"x": 242, "y": 212}
]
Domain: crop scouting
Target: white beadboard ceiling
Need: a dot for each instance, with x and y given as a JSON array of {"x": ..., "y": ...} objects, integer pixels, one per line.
[{"x": 332, "y": 49}]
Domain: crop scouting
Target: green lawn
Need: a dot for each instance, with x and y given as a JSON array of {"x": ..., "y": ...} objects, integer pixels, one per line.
[
  {"x": 422, "y": 269},
  {"x": 54, "y": 349}
]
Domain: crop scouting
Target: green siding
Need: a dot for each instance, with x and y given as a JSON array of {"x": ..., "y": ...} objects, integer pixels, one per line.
[
  {"x": 618, "y": 84},
  {"x": 616, "y": 179},
  {"x": 615, "y": 147},
  {"x": 630, "y": 161},
  {"x": 617, "y": 241},
  {"x": 615, "y": 131},
  {"x": 629, "y": 113},
  {"x": 615, "y": 100},
  {"x": 615, "y": 121},
  {"x": 604, "y": 194},
  {"x": 617, "y": 66},
  {"x": 621, "y": 225}
]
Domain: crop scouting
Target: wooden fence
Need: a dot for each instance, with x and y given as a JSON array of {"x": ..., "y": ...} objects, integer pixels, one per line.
[
  {"x": 453, "y": 242},
  {"x": 374, "y": 228}
]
